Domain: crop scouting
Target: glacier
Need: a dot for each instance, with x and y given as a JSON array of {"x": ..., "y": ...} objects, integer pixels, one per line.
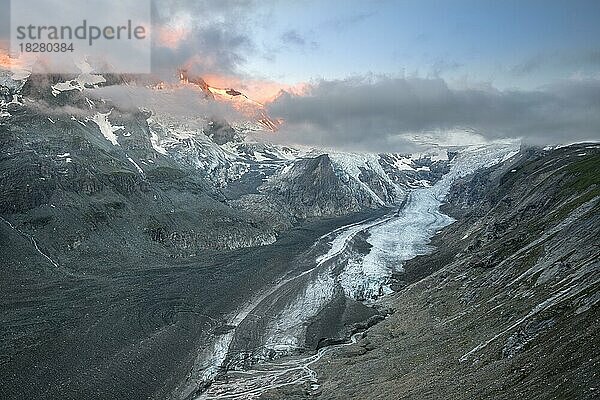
[
  {"x": 401, "y": 238},
  {"x": 394, "y": 238}
]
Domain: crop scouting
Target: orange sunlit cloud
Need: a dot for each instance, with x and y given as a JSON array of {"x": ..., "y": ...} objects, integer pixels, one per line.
[
  {"x": 5, "y": 60},
  {"x": 171, "y": 37},
  {"x": 263, "y": 91},
  {"x": 10, "y": 63},
  {"x": 175, "y": 32}
]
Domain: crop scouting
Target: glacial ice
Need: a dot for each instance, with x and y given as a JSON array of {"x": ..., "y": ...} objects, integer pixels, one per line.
[
  {"x": 394, "y": 238},
  {"x": 286, "y": 333},
  {"x": 406, "y": 236},
  {"x": 394, "y": 241}
]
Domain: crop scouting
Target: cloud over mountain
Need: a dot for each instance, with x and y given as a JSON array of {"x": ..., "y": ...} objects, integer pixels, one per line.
[{"x": 368, "y": 113}]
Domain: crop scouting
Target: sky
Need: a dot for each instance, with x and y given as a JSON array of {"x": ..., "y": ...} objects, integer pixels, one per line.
[
  {"x": 364, "y": 74},
  {"x": 510, "y": 44},
  {"x": 507, "y": 43}
]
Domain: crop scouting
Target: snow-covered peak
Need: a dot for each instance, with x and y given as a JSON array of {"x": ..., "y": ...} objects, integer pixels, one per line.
[{"x": 190, "y": 146}]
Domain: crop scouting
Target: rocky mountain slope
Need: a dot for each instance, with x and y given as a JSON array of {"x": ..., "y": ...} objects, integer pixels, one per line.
[
  {"x": 122, "y": 227},
  {"x": 505, "y": 308},
  {"x": 76, "y": 166}
]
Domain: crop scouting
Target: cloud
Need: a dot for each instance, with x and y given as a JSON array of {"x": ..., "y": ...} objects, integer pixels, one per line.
[
  {"x": 213, "y": 49},
  {"x": 293, "y": 37},
  {"x": 441, "y": 66},
  {"x": 260, "y": 90},
  {"x": 528, "y": 66},
  {"x": 4, "y": 20},
  {"x": 569, "y": 59},
  {"x": 376, "y": 114},
  {"x": 204, "y": 36},
  {"x": 186, "y": 103},
  {"x": 347, "y": 22}
]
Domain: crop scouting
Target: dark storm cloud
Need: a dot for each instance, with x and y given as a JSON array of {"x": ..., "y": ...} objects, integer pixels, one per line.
[{"x": 373, "y": 114}]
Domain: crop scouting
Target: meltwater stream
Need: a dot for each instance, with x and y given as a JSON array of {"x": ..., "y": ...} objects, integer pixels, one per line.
[{"x": 266, "y": 348}]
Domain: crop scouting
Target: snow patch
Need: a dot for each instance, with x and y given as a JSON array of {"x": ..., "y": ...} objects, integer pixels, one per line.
[
  {"x": 80, "y": 122},
  {"x": 107, "y": 129},
  {"x": 509, "y": 155},
  {"x": 16, "y": 100},
  {"x": 85, "y": 80},
  {"x": 259, "y": 157},
  {"x": 403, "y": 164},
  {"x": 139, "y": 169},
  {"x": 155, "y": 141}
]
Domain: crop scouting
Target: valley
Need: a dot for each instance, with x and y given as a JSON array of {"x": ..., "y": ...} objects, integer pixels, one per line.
[{"x": 147, "y": 254}]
